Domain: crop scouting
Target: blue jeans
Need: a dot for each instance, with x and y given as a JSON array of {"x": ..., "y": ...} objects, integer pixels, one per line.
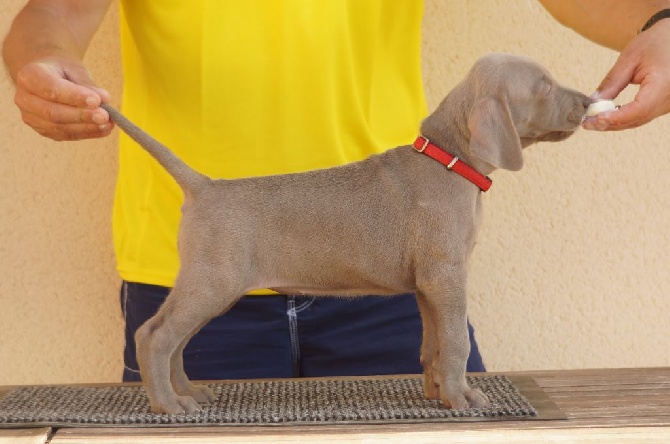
[{"x": 293, "y": 336}]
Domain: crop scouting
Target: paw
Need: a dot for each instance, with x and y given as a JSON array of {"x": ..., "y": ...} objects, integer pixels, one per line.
[
  {"x": 201, "y": 393},
  {"x": 466, "y": 399},
  {"x": 477, "y": 399},
  {"x": 179, "y": 405}
]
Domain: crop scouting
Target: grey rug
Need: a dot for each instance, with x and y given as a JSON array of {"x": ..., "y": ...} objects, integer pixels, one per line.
[{"x": 281, "y": 402}]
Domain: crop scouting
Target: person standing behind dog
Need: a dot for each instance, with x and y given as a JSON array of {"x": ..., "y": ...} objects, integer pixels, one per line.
[{"x": 308, "y": 85}]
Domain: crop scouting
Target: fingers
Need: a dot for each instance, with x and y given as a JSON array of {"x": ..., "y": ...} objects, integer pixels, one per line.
[
  {"x": 60, "y": 101},
  {"x": 645, "y": 62},
  {"x": 70, "y": 132},
  {"x": 616, "y": 80},
  {"x": 603, "y": 123},
  {"x": 62, "y": 122}
]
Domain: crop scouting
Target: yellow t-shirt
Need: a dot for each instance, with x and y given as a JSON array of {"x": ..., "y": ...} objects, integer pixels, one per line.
[{"x": 252, "y": 88}]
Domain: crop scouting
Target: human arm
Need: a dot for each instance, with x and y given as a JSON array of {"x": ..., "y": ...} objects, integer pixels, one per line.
[
  {"x": 644, "y": 58},
  {"x": 43, "y": 52}
]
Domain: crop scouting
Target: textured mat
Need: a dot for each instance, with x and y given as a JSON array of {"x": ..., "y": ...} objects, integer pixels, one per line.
[{"x": 289, "y": 402}]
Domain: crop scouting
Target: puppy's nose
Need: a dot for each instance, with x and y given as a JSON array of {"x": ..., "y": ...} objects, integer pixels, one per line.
[{"x": 580, "y": 103}]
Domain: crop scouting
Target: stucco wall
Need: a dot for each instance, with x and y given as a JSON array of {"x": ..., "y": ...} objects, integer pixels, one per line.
[{"x": 571, "y": 267}]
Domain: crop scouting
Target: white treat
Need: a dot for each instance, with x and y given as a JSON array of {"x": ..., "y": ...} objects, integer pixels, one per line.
[{"x": 599, "y": 107}]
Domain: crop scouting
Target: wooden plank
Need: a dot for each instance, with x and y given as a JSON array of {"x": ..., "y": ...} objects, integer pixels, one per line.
[
  {"x": 614, "y": 403},
  {"x": 25, "y": 436},
  {"x": 544, "y": 406},
  {"x": 628, "y": 396},
  {"x": 620, "y": 391},
  {"x": 596, "y": 377},
  {"x": 651, "y": 435}
]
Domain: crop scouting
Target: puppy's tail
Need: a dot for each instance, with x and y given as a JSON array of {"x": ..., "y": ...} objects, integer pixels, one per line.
[{"x": 188, "y": 179}]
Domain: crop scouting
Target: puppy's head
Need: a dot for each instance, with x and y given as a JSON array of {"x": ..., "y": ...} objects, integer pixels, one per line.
[{"x": 517, "y": 103}]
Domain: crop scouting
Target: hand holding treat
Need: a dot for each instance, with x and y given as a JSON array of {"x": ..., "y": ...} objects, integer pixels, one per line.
[{"x": 645, "y": 61}]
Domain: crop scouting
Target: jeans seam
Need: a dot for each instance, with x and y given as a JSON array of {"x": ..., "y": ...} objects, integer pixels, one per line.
[
  {"x": 124, "y": 292},
  {"x": 305, "y": 305},
  {"x": 293, "y": 333},
  {"x": 131, "y": 369}
]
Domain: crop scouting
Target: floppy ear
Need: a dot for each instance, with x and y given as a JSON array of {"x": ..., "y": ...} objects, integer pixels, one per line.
[{"x": 493, "y": 137}]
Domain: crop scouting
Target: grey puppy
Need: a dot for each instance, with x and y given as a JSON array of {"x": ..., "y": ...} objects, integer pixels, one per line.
[{"x": 396, "y": 222}]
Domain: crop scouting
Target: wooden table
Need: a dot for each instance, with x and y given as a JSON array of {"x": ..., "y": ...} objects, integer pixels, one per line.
[{"x": 602, "y": 406}]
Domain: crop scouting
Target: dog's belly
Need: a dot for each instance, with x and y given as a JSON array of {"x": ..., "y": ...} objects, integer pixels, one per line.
[
  {"x": 340, "y": 292},
  {"x": 351, "y": 287},
  {"x": 331, "y": 274}
]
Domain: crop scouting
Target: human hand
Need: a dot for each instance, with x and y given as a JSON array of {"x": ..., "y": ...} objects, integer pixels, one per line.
[
  {"x": 59, "y": 100},
  {"x": 645, "y": 62}
]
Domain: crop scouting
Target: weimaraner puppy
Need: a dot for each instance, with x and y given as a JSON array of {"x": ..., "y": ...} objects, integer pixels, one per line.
[{"x": 396, "y": 222}]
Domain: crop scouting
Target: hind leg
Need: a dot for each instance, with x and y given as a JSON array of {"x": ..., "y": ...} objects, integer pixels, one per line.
[
  {"x": 185, "y": 310},
  {"x": 180, "y": 382}
]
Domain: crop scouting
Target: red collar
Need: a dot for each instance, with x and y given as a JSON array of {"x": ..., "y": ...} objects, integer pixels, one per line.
[{"x": 423, "y": 145}]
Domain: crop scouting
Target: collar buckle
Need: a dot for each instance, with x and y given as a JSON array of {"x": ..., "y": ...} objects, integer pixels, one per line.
[{"x": 421, "y": 148}]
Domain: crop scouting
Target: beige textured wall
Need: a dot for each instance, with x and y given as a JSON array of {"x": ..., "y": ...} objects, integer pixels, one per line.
[
  {"x": 59, "y": 312},
  {"x": 571, "y": 268}
]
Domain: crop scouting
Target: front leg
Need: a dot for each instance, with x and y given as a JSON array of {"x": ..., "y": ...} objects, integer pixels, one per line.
[
  {"x": 444, "y": 294},
  {"x": 429, "y": 349}
]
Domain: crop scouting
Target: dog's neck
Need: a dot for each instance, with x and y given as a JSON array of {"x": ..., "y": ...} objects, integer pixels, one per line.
[{"x": 447, "y": 127}]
